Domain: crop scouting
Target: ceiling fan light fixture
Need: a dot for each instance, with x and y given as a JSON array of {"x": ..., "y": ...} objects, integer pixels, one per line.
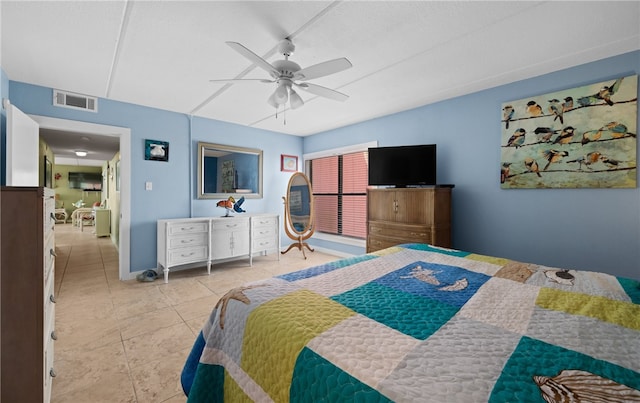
[
  {"x": 272, "y": 101},
  {"x": 295, "y": 100},
  {"x": 80, "y": 153},
  {"x": 281, "y": 94}
]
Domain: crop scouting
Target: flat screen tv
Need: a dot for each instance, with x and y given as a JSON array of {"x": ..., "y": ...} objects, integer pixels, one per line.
[
  {"x": 85, "y": 180},
  {"x": 403, "y": 166}
]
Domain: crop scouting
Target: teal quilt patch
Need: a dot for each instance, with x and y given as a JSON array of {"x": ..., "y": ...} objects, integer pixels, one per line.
[
  {"x": 631, "y": 287},
  {"x": 314, "y": 376},
  {"x": 410, "y": 314},
  {"x": 536, "y": 367},
  {"x": 208, "y": 385},
  {"x": 429, "y": 248}
]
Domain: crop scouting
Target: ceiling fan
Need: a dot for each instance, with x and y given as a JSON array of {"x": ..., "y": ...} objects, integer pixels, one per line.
[{"x": 287, "y": 74}]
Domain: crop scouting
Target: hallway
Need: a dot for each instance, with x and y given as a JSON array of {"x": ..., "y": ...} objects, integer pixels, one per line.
[{"x": 126, "y": 341}]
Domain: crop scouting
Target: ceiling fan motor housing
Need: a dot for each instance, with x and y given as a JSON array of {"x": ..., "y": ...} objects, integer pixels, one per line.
[
  {"x": 286, "y": 68},
  {"x": 286, "y": 47}
]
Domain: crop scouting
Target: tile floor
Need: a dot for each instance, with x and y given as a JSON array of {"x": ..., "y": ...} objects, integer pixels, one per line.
[{"x": 126, "y": 341}]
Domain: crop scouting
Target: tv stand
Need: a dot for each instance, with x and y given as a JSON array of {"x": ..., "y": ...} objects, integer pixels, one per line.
[{"x": 408, "y": 215}]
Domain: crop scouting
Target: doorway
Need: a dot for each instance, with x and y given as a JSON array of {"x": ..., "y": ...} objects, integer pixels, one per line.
[{"x": 124, "y": 134}]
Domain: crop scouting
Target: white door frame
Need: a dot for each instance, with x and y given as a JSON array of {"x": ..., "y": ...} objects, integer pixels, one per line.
[{"x": 124, "y": 133}]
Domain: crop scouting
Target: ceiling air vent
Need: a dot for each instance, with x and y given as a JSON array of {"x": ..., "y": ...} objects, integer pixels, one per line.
[{"x": 75, "y": 101}]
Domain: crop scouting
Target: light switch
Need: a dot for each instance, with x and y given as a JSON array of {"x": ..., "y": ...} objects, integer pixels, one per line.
[{"x": 148, "y": 185}]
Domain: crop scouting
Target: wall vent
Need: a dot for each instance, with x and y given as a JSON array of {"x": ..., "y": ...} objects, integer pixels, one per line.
[{"x": 75, "y": 101}]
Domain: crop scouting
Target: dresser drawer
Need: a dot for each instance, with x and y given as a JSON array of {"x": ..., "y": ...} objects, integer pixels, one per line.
[
  {"x": 49, "y": 297},
  {"x": 260, "y": 244},
  {"x": 264, "y": 232},
  {"x": 231, "y": 225},
  {"x": 187, "y": 227},
  {"x": 49, "y": 371},
  {"x": 188, "y": 255},
  {"x": 260, "y": 222},
  {"x": 409, "y": 233},
  {"x": 377, "y": 243},
  {"x": 197, "y": 239}
]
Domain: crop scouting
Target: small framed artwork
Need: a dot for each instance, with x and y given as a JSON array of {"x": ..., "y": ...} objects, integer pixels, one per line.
[
  {"x": 155, "y": 150},
  {"x": 288, "y": 163},
  {"x": 48, "y": 172}
]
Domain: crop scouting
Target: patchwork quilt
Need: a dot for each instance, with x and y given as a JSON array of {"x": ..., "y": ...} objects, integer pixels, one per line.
[{"x": 420, "y": 323}]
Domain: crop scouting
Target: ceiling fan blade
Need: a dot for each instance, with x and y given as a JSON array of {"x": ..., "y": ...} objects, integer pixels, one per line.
[
  {"x": 242, "y": 80},
  {"x": 323, "y": 91},
  {"x": 322, "y": 69},
  {"x": 255, "y": 59}
]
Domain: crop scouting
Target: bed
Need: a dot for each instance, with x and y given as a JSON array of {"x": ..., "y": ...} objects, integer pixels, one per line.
[{"x": 419, "y": 323}]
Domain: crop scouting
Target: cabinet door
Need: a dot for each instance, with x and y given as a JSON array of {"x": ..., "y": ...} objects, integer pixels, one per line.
[
  {"x": 381, "y": 205},
  {"x": 230, "y": 238},
  {"x": 240, "y": 242},
  {"x": 414, "y": 207}
]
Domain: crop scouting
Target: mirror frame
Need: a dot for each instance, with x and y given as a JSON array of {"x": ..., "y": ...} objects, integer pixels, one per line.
[
  {"x": 202, "y": 146},
  {"x": 309, "y": 226},
  {"x": 299, "y": 237}
]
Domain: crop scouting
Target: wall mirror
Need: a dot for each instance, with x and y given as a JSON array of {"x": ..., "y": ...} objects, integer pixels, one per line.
[
  {"x": 298, "y": 212},
  {"x": 225, "y": 171}
]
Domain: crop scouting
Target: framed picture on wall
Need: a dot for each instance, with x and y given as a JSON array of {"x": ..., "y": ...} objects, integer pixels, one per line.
[
  {"x": 288, "y": 163},
  {"x": 155, "y": 150},
  {"x": 48, "y": 172}
]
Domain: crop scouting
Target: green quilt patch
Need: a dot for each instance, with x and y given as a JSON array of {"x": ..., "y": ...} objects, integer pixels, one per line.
[
  {"x": 620, "y": 313},
  {"x": 276, "y": 332}
]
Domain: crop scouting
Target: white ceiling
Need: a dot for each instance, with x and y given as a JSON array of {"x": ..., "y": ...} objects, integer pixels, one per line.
[{"x": 405, "y": 54}]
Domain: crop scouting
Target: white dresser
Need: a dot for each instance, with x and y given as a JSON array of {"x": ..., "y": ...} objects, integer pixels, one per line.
[
  {"x": 28, "y": 301},
  {"x": 209, "y": 239}
]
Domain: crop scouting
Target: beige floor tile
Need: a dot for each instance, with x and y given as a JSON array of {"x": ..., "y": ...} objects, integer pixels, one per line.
[
  {"x": 131, "y": 301},
  {"x": 159, "y": 380},
  {"x": 179, "y": 398},
  {"x": 103, "y": 368},
  {"x": 186, "y": 290},
  {"x": 85, "y": 335},
  {"x": 196, "y": 324},
  {"x": 197, "y": 307},
  {"x": 148, "y": 322},
  {"x": 157, "y": 345}
]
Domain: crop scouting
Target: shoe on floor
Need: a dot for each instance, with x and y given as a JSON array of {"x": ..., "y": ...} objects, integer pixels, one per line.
[{"x": 147, "y": 275}]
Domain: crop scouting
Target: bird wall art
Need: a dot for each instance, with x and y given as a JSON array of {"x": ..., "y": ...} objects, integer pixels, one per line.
[{"x": 583, "y": 137}]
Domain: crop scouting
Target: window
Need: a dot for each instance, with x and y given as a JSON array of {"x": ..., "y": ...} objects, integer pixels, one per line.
[{"x": 339, "y": 185}]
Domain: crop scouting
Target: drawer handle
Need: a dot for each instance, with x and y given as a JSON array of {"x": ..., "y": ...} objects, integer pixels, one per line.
[
  {"x": 52, "y": 373},
  {"x": 186, "y": 241},
  {"x": 232, "y": 225},
  {"x": 185, "y": 228},
  {"x": 188, "y": 254},
  {"x": 52, "y": 298},
  {"x": 54, "y": 335},
  {"x": 53, "y": 253}
]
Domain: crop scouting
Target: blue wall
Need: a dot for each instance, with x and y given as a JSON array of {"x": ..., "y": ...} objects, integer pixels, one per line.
[
  {"x": 172, "y": 196},
  {"x": 594, "y": 229},
  {"x": 4, "y": 94}
]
